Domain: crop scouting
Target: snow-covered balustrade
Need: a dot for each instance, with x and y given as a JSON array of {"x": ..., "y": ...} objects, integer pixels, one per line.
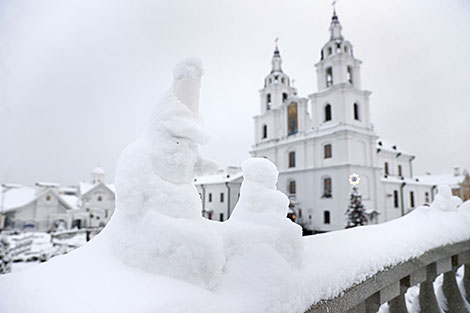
[
  {"x": 158, "y": 254},
  {"x": 391, "y": 284},
  {"x": 366, "y": 267}
]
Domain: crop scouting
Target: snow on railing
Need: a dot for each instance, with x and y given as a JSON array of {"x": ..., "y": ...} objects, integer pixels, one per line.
[
  {"x": 390, "y": 285},
  {"x": 366, "y": 267}
]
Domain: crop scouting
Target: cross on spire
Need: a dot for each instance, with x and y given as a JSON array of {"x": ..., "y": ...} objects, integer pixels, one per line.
[{"x": 333, "y": 4}]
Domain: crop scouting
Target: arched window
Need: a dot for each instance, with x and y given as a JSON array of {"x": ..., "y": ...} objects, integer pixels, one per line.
[
  {"x": 327, "y": 187},
  {"x": 412, "y": 199},
  {"x": 386, "y": 168},
  {"x": 327, "y": 151},
  {"x": 329, "y": 76},
  {"x": 327, "y": 112},
  {"x": 326, "y": 217},
  {"x": 265, "y": 132},
  {"x": 284, "y": 97},
  {"x": 268, "y": 101},
  {"x": 292, "y": 187},
  {"x": 399, "y": 171},
  {"x": 395, "y": 198},
  {"x": 291, "y": 159},
  {"x": 350, "y": 74},
  {"x": 292, "y": 121},
  {"x": 356, "y": 111},
  {"x": 426, "y": 197}
]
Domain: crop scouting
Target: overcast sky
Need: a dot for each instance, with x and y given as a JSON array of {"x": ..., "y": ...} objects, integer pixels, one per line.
[{"x": 78, "y": 79}]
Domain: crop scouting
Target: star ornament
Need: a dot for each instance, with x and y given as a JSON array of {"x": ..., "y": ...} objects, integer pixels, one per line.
[{"x": 354, "y": 179}]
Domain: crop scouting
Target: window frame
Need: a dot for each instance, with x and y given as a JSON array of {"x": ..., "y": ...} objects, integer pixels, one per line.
[
  {"x": 329, "y": 76},
  {"x": 292, "y": 187},
  {"x": 326, "y": 217},
  {"x": 264, "y": 131},
  {"x": 327, "y": 151},
  {"x": 291, "y": 159},
  {"x": 328, "y": 116},
  {"x": 412, "y": 199},
  {"x": 327, "y": 186},
  {"x": 396, "y": 203},
  {"x": 357, "y": 116}
]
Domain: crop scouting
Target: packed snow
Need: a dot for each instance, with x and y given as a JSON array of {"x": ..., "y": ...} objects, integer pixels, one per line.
[{"x": 157, "y": 254}]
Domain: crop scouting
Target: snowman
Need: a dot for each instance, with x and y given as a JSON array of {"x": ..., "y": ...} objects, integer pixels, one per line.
[
  {"x": 444, "y": 200},
  {"x": 157, "y": 226},
  {"x": 261, "y": 215}
]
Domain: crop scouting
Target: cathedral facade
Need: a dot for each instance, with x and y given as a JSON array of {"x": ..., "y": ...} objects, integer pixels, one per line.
[{"x": 325, "y": 142}]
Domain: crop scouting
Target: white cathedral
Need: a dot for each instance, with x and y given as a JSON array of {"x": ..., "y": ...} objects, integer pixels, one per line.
[{"x": 319, "y": 153}]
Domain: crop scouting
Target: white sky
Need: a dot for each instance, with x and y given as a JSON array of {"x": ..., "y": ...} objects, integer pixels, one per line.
[{"x": 78, "y": 79}]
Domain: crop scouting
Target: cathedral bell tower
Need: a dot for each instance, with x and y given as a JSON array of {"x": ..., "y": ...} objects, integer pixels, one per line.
[
  {"x": 337, "y": 64},
  {"x": 282, "y": 112},
  {"x": 339, "y": 99},
  {"x": 276, "y": 85}
]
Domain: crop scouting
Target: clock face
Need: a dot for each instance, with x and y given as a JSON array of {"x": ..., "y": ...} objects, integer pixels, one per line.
[{"x": 354, "y": 179}]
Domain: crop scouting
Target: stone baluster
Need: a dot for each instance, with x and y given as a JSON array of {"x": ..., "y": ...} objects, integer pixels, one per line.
[
  {"x": 454, "y": 300},
  {"x": 464, "y": 258},
  {"x": 398, "y": 304},
  {"x": 466, "y": 281},
  {"x": 427, "y": 298},
  {"x": 373, "y": 303}
]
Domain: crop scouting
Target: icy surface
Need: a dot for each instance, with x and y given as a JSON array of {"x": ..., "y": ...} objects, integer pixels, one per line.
[{"x": 157, "y": 254}]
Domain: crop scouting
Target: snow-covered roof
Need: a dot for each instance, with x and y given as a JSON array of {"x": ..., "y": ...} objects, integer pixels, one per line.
[
  {"x": 15, "y": 197},
  {"x": 68, "y": 190},
  {"x": 451, "y": 180},
  {"x": 217, "y": 178},
  {"x": 385, "y": 145},
  {"x": 47, "y": 184},
  {"x": 85, "y": 187},
  {"x": 71, "y": 200}
]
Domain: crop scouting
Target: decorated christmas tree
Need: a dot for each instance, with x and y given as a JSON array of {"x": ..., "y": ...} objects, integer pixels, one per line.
[
  {"x": 4, "y": 256},
  {"x": 355, "y": 214}
]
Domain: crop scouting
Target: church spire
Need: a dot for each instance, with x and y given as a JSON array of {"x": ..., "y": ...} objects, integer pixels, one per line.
[
  {"x": 335, "y": 26},
  {"x": 276, "y": 61}
]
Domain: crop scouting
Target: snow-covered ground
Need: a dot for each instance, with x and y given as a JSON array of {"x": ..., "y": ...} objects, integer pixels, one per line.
[{"x": 157, "y": 254}]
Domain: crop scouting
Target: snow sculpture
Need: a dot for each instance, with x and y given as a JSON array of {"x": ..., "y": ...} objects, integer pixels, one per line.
[
  {"x": 261, "y": 211},
  {"x": 444, "y": 200},
  {"x": 157, "y": 225}
]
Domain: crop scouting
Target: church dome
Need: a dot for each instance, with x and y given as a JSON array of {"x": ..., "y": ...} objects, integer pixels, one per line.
[{"x": 97, "y": 171}]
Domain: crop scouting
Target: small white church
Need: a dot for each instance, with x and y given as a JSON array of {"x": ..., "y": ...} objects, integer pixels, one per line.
[{"x": 321, "y": 152}]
